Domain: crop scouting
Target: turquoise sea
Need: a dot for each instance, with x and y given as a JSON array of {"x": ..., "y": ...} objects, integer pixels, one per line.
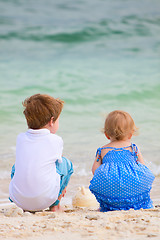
[{"x": 96, "y": 55}]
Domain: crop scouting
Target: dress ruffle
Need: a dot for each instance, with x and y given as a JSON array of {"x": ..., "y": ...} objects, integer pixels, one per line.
[{"x": 136, "y": 202}]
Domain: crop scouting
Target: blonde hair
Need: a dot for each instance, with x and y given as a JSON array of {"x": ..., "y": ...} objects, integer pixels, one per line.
[
  {"x": 40, "y": 108},
  {"x": 119, "y": 124}
]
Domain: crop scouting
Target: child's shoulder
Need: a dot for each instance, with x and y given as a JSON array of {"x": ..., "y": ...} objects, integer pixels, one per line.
[
  {"x": 55, "y": 140},
  {"x": 21, "y": 135},
  {"x": 119, "y": 145},
  {"x": 107, "y": 146},
  {"x": 56, "y": 137},
  {"x": 38, "y": 135},
  {"x": 104, "y": 150}
]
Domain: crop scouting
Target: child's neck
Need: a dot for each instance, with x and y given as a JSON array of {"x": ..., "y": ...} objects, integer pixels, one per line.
[{"x": 120, "y": 143}]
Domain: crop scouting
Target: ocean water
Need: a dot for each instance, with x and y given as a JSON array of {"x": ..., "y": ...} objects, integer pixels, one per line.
[{"x": 96, "y": 55}]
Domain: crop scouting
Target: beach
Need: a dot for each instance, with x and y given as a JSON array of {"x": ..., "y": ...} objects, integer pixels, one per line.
[
  {"x": 97, "y": 56},
  {"x": 82, "y": 223},
  {"x": 95, "y": 63}
]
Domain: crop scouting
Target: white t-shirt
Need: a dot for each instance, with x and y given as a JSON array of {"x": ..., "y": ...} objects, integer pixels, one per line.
[{"x": 36, "y": 184}]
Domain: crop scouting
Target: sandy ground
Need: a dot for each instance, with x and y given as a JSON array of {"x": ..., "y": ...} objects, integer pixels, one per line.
[
  {"x": 78, "y": 223},
  {"x": 82, "y": 223}
]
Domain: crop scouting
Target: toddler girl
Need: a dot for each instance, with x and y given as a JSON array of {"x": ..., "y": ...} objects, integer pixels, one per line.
[{"x": 121, "y": 180}]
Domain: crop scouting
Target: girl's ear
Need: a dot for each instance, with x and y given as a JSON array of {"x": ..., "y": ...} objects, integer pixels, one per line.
[
  {"x": 130, "y": 135},
  {"x": 107, "y": 136}
]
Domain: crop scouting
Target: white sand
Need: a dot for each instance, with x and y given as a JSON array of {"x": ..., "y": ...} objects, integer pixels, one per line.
[{"x": 82, "y": 223}]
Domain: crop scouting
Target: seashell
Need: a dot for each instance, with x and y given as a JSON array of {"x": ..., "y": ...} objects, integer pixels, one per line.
[
  {"x": 84, "y": 198},
  {"x": 13, "y": 212},
  {"x": 17, "y": 212}
]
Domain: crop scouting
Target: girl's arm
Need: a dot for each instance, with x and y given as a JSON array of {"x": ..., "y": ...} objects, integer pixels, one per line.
[
  {"x": 96, "y": 164},
  {"x": 140, "y": 158}
]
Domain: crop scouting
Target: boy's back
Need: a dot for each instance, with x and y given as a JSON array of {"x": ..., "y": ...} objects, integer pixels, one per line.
[
  {"x": 35, "y": 185},
  {"x": 38, "y": 180}
]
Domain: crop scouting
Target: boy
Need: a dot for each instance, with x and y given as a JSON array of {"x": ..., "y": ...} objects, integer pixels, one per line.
[{"x": 41, "y": 174}]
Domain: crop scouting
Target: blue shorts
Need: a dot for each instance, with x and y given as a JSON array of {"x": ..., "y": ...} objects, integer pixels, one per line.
[{"x": 64, "y": 169}]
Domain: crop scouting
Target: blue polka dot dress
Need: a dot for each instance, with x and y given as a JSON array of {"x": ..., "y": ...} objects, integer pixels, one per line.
[{"x": 121, "y": 182}]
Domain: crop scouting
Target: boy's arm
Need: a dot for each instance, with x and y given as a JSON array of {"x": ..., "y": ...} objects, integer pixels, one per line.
[{"x": 96, "y": 163}]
